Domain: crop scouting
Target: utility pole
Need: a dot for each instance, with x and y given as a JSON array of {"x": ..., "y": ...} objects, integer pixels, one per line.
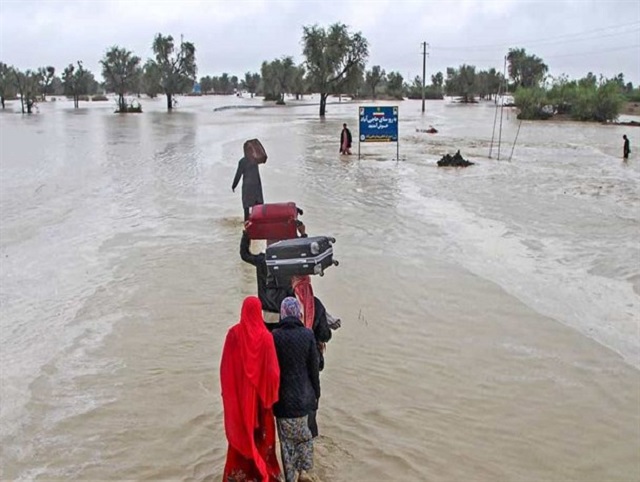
[{"x": 424, "y": 71}]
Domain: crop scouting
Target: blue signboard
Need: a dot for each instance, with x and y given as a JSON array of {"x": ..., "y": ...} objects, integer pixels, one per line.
[{"x": 379, "y": 124}]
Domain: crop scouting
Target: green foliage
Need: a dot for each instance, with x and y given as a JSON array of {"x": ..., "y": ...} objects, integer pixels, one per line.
[
  {"x": 633, "y": 95},
  {"x": 333, "y": 58},
  {"x": 177, "y": 66},
  {"x": 28, "y": 85},
  {"x": 587, "y": 99},
  {"x": 432, "y": 92},
  {"x": 46, "y": 75},
  {"x": 75, "y": 82},
  {"x": 373, "y": 78},
  {"x": 531, "y": 102},
  {"x": 461, "y": 82},
  {"x": 525, "y": 70},
  {"x": 120, "y": 70},
  {"x": 251, "y": 82},
  {"x": 394, "y": 86},
  {"x": 7, "y": 83},
  {"x": 151, "y": 79}
]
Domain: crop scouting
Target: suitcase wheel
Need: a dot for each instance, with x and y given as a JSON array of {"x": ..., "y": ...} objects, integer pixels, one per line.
[{"x": 336, "y": 262}]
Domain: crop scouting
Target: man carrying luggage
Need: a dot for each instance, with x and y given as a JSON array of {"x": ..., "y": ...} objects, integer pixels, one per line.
[{"x": 248, "y": 170}]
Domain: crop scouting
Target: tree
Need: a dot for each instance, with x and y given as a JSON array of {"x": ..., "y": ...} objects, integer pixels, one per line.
[
  {"x": 46, "y": 75},
  {"x": 251, "y": 82},
  {"x": 284, "y": 71},
  {"x": 177, "y": 68},
  {"x": 28, "y": 85},
  {"x": 298, "y": 82},
  {"x": 74, "y": 81},
  {"x": 206, "y": 84},
  {"x": 151, "y": 81},
  {"x": 437, "y": 80},
  {"x": 525, "y": 70},
  {"x": 395, "y": 85},
  {"x": 373, "y": 77},
  {"x": 461, "y": 82},
  {"x": 120, "y": 72},
  {"x": 7, "y": 83},
  {"x": 270, "y": 87},
  {"x": 332, "y": 55}
]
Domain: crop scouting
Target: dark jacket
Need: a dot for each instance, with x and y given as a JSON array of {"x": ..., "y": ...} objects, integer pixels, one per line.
[
  {"x": 299, "y": 375},
  {"x": 321, "y": 329},
  {"x": 270, "y": 293},
  {"x": 251, "y": 183},
  {"x": 349, "y": 138}
]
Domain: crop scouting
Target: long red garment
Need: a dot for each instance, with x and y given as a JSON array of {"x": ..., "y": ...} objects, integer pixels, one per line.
[
  {"x": 250, "y": 379},
  {"x": 304, "y": 292}
]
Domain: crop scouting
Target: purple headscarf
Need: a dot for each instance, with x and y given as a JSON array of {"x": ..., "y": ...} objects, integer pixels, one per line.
[{"x": 290, "y": 307}]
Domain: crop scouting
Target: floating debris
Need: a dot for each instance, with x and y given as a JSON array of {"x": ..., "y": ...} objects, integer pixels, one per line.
[{"x": 455, "y": 161}]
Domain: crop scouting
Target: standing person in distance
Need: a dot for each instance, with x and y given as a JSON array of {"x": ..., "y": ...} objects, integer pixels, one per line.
[
  {"x": 626, "y": 149},
  {"x": 250, "y": 380},
  {"x": 248, "y": 170},
  {"x": 345, "y": 140}
]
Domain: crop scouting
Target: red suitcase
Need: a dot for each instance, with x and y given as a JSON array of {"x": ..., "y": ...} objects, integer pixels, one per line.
[{"x": 276, "y": 221}]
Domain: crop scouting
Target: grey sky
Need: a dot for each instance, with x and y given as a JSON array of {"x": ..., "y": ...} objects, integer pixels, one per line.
[{"x": 235, "y": 36}]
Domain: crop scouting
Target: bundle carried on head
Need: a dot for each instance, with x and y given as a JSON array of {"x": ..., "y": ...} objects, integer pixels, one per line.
[{"x": 254, "y": 151}]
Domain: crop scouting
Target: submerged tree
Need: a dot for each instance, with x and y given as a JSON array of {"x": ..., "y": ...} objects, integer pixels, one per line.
[
  {"x": 75, "y": 82},
  {"x": 332, "y": 56},
  {"x": 177, "y": 67},
  {"x": 120, "y": 70},
  {"x": 46, "y": 76},
  {"x": 150, "y": 79},
  {"x": 251, "y": 82},
  {"x": 373, "y": 78},
  {"x": 7, "y": 83},
  {"x": 395, "y": 85},
  {"x": 526, "y": 70},
  {"x": 461, "y": 82},
  {"x": 28, "y": 86}
]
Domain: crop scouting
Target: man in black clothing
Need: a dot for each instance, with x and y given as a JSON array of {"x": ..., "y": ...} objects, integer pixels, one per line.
[
  {"x": 626, "y": 148},
  {"x": 251, "y": 184},
  {"x": 270, "y": 292}
]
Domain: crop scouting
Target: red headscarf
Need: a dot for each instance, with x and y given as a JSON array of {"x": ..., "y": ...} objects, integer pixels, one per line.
[
  {"x": 304, "y": 292},
  {"x": 250, "y": 379}
]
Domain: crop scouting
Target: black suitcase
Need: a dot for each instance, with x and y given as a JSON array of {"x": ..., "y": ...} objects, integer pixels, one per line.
[{"x": 300, "y": 256}]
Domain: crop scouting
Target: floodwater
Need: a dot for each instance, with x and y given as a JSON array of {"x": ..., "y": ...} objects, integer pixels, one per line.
[{"x": 491, "y": 314}]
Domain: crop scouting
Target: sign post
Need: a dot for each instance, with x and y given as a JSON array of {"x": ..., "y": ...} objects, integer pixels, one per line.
[{"x": 379, "y": 124}]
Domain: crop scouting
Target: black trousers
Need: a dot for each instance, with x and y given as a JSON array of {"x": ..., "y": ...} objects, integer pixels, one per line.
[
  {"x": 313, "y": 424},
  {"x": 246, "y": 213}
]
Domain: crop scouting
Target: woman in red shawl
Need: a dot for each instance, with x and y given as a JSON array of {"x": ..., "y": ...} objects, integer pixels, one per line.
[{"x": 250, "y": 379}]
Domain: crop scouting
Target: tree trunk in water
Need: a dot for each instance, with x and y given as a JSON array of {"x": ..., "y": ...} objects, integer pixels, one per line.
[
  {"x": 76, "y": 101},
  {"x": 323, "y": 104},
  {"x": 29, "y": 106},
  {"x": 169, "y": 102},
  {"x": 22, "y": 102},
  {"x": 2, "y": 101},
  {"x": 121, "y": 105}
]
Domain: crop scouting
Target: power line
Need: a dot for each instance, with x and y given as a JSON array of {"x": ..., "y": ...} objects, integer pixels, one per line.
[
  {"x": 549, "y": 41},
  {"x": 546, "y": 39},
  {"x": 576, "y": 54}
]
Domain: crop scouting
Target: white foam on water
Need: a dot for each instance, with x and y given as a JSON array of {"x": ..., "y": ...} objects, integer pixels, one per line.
[{"x": 539, "y": 272}]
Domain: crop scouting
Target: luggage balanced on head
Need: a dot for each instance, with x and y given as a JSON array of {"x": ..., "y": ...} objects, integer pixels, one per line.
[
  {"x": 300, "y": 256},
  {"x": 274, "y": 221},
  {"x": 254, "y": 151}
]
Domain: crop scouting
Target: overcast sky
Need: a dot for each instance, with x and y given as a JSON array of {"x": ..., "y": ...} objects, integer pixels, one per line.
[{"x": 235, "y": 36}]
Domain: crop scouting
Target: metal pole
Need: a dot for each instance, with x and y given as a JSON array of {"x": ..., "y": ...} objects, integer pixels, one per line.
[
  {"x": 424, "y": 70},
  {"x": 501, "y": 110}
]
